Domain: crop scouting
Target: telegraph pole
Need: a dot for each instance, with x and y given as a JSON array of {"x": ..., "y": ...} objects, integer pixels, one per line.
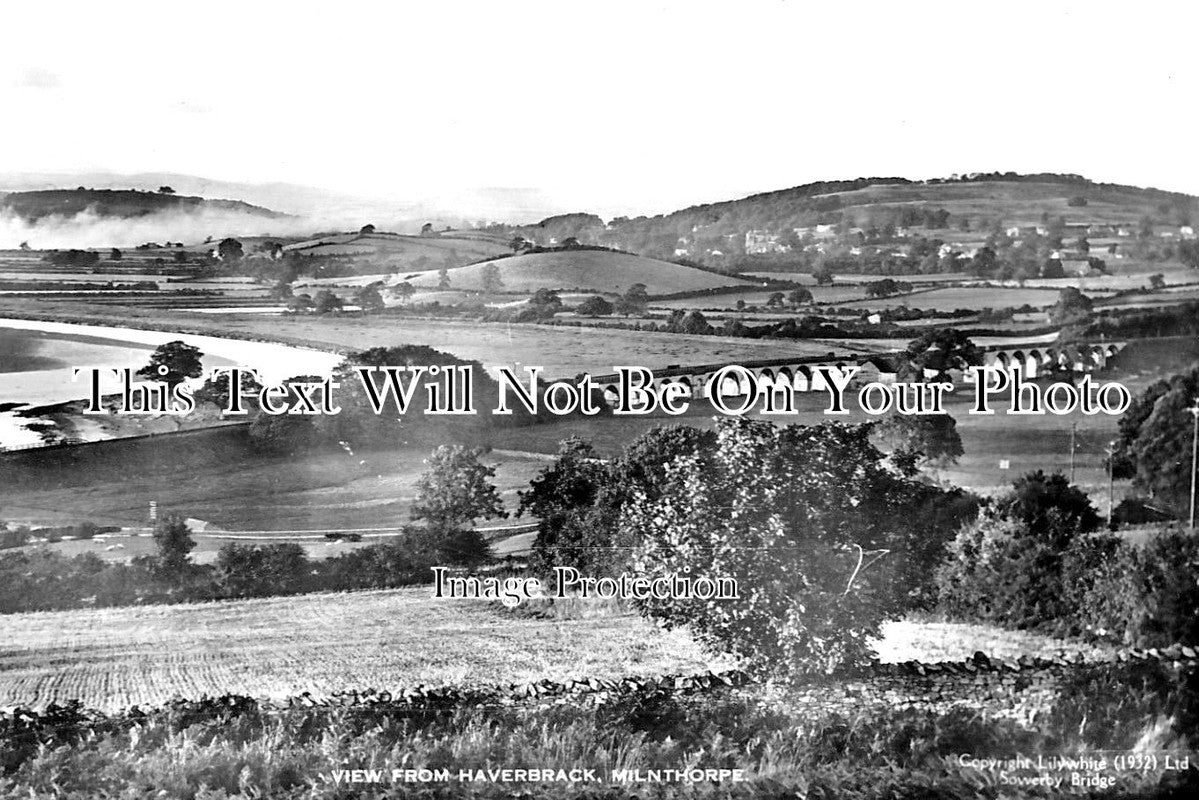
[
  {"x": 1194, "y": 454},
  {"x": 1073, "y": 430},
  {"x": 1111, "y": 482}
]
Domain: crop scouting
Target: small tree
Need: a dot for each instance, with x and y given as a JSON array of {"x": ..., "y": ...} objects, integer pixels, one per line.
[
  {"x": 326, "y": 302},
  {"x": 174, "y": 542},
  {"x": 368, "y": 228},
  {"x": 490, "y": 276},
  {"x": 216, "y": 389},
  {"x": 1157, "y": 281},
  {"x": 1050, "y": 507},
  {"x": 282, "y": 291},
  {"x": 454, "y": 492},
  {"x": 403, "y": 290},
  {"x": 798, "y": 297},
  {"x": 595, "y": 307},
  {"x": 165, "y": 190},
  {"x": 942, "y": 350},
  {"x": 115, "y": 255},
  {"x": 368, "y": 299},
  {"x": 230, "y": 250},
  {"x": 443, "y": 278},
  {"x": 173, "y": 363},
  {"x": 1053, "y": 268},
  {"x": 775, "y": 300},
  {"x": 299, "y": 302},
  {"x": 1071, "y": 305},
  {"x": 694, "y": 322},
  {"x": 546, "y": 298}
]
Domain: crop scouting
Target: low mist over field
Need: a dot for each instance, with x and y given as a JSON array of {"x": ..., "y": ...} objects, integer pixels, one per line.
[{"x": 90, "y": 229}]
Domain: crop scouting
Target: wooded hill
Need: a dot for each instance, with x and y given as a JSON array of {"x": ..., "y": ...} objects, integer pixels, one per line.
[
  {"x": 961, "y": 204},
  {"x": 120, "y": 203}
]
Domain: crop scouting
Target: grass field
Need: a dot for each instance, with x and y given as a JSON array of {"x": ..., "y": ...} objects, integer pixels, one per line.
[
  {"x": 594, "y": 270},
  {"x": 562, "y": 351},
  {"x": 382, "y": 640},
  {"x": 974, "y": 297},
  {"x": 389, "y": 249},
  {"x": 235, "y": 489}
]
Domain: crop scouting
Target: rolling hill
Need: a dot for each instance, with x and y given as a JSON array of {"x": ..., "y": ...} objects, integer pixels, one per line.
[
  {"x": 714, "y": 232},
  {"x": 34, "y": 206},
  {"x": 396, "y": 252},
  {"x": 598, "y": 271}
]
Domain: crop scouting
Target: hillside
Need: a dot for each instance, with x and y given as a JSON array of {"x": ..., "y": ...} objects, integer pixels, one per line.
[
  {"x": 117, "y": 203},
  {"x": 716, "y": 232},
  {"x": 395, "y": 252},
  {"x": 586, "y": 270}
]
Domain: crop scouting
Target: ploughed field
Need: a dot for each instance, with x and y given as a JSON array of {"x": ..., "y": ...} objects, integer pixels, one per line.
[
  {"x": 280, "y": 647},
  {"x": 110, "y": 659}
]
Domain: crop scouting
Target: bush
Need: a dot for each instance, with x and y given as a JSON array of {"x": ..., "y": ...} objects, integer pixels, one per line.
[
  {"x": 1145, "y": 596},
  {"x": 262, "y": 570},
  {"x": 997, "y": 572},
  {"x": 383, "y": 566}
]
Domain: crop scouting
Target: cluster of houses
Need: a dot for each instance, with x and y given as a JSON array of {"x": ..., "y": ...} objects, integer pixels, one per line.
[{"x": 765, "y": 242}]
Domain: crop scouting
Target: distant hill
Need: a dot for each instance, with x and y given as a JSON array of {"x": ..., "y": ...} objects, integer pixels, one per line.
[
  {"x": 715, "y": 231},
  {"x": 117, "y": 203},
  {"x": 393, "y": 252},
  {"x": 596, "y": 271}
]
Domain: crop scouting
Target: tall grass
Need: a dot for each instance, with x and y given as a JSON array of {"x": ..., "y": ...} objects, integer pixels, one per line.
[{"x": 785, "y": 752}]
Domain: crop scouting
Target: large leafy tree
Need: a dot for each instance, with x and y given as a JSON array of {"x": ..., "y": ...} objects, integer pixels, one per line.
[
  {"x": 456, "y": 490},
  {"x": 1156, "y": 439},
  {"x": 799, "y": 517},
  {"x": 579, "y": 498},
  {"x": 173, "y": 362},
  {"x": 571, "y": 499},
  {"x": 942, "y": 350},
  {"x": 926, "y": 438}
]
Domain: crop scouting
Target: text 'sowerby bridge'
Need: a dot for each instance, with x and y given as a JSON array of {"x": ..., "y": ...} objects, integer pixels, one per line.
[{"x": 811, "y": 373}]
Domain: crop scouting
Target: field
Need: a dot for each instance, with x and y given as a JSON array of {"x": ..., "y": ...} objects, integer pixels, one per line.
[
  {"x": 562, "y": 351},
  {"x": 403, "y": 252},
  {"x": 222, "y": 482},
  {"x": 382, "y": 640},
  {"x": 594, "y": 270},
  {"x": 949, "y": 298},
  {"x": 280, "y": 647}
]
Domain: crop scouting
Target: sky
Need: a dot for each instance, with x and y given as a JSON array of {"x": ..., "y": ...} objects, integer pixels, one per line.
[{"x": 615, "y": 107}]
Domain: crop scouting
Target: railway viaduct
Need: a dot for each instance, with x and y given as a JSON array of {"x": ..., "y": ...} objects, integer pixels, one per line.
[{"x": 808, "y": 374}]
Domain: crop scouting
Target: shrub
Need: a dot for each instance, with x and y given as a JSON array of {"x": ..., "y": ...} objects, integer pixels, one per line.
[
  {"x": 1050, "y": 507},
  {"x": 262, "y": 570},
  {"x": 1145, "y": 596},
  {"x": 384, "y": 566},
  {"x": 997, "y": 572}
]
